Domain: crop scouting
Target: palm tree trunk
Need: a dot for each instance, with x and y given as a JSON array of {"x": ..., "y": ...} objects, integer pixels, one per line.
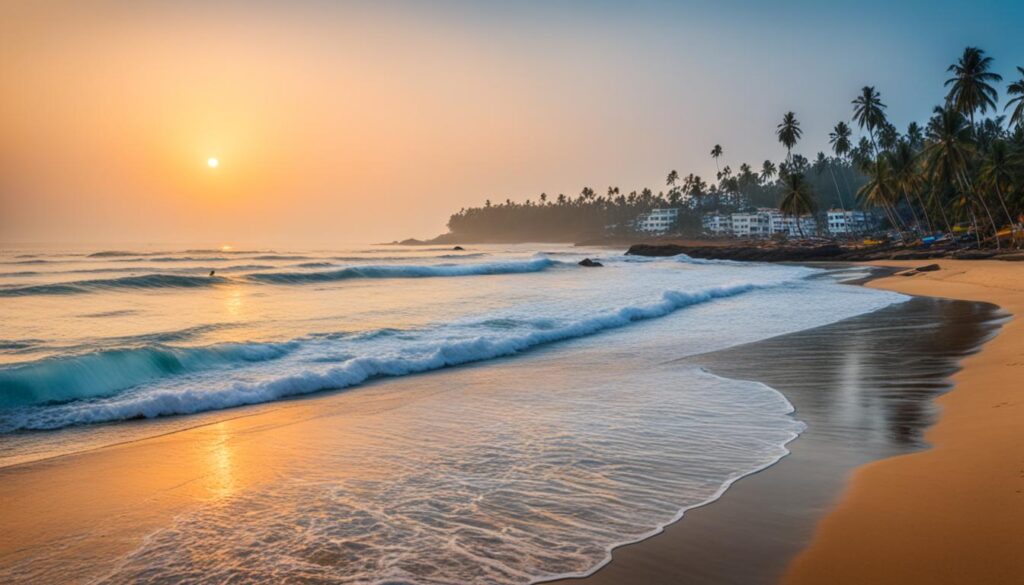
[
  {"x": 911, "y": 206},
  {"x": 977, "y": 232},
  {"x": 1013, "y": 224},
  {"x": 924, "y": 211}
]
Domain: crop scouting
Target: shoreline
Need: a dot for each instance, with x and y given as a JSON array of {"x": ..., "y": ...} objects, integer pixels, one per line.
[
  {"x": 951, "y": 513},
  {"x": 761, "y": 523}
]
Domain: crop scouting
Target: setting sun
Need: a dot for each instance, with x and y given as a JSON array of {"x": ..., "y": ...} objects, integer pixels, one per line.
[{"x": 212, "y": 163}]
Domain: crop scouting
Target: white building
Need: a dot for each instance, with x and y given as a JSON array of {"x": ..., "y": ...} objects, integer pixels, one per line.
[
  {"x": 761, "y": 223},
  {"x": 658, "y": 220},
  {"x": 717, "y": 223},
  {"x": 793, "y": 226},
  {"x": 750, "y": 224},
  {"x": 847, "y": 222}
]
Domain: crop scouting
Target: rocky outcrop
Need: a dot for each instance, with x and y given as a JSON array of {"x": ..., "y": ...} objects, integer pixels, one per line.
[{"x": 590, "y": 263}]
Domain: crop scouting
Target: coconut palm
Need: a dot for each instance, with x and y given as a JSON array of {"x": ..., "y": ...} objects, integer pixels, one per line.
[
  {"x": 839, "y": 138},
  {"x": 970, "y": 88},
  {"x": 949, "y": 154},
  {"x": 888, "y": 136},
  {"x": 869, "y": 111},
  {"x": 767, "y": 171},
  {"x": 915, "y": 135},
  {"x": 880, "y": 190},
  {"x": 789, "y": 133},
  {"x": 905, "y": 176},
  {"x": 1016, "y": 89},
  {"x": 673, "y": 177},
  {"x": 716, "y": 152},
  {"x": 797, "y": 198},
  {"x": 998, "y": 170}
]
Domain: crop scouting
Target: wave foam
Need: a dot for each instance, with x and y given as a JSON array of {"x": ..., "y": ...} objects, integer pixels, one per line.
[
  {"x": 103, "y": 378},
  {"x": 56, "y": 380},
  {"x": 406, "y": 271}
]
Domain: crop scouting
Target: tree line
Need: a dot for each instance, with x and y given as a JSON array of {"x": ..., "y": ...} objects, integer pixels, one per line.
[{"x": 959, "y": 171}]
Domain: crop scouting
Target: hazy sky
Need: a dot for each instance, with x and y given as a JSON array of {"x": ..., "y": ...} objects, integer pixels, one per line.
[{"x": 356, "y": 121}]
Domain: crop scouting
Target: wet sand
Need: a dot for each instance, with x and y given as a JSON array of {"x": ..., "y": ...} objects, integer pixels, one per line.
[
  {"x": 865, "y": 388},
  {"x": 953, "y": 513}
]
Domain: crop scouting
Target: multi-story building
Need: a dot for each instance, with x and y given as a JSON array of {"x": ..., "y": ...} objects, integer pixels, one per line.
[
  {"x": 717, "y": 223},
  {"x": 749, "y": 224},
  {"x": 847, "y": 221},
  {"x": 763, "y": 222},
  {"x": 658, "y": 220}
]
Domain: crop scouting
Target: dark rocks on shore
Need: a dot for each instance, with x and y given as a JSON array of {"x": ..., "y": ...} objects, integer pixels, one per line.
[
  {"x": 927, "y": 268},
  {"x": 590, "y": 263},
  {"x": 805, "y": 253},
  {"x": 748, "y": 253}
]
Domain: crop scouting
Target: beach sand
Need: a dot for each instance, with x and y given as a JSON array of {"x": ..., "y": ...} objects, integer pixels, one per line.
[{"x": 953, "y": 513}]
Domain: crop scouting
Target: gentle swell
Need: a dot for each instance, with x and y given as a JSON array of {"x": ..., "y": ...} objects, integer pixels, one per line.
[
  {"x": 160, "y": 281},
  {"x": 64, "y": 381},
  {"x": 108, "y": 372},
  {"x": 145, "y": 281},
  {"x": 399, "y": 271}
]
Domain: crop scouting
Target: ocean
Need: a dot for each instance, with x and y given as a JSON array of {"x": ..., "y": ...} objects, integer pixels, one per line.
[{"x": 498, "y": 414}]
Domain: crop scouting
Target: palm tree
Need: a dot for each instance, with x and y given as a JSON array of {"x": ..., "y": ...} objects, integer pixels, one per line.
[
  {"x": 880, "y": 190},
  {"x": 1016, "y": 89},
  {"x": 767, "y": 171},
  {"x": 915, "y": 136},
  {"x": 789, "y": 133},
  {"x": 970, "y": 88},
  {"x": 839, "y": 138},
  {"x": 949, "y": 154},
  {"x": 715, "y": 153},
  {"x": 903, "y": 162},
  {"x": 797, "y": 198},
  {"x": 673, "y": 177},
  {"x": 869, "y": 111},
  {"x": 998, "y": 170}
]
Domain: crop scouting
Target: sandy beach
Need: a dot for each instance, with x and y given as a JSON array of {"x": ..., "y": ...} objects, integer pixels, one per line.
[{"x": 953, "y": 513}]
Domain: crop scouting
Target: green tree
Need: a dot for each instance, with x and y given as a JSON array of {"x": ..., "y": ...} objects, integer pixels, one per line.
[
  {"x": 1016, "y": 89},
  {"x": 999, "y": 168},
  {"x": 948, "y": 157},
  {"x": 767, "y": 171},
  {"x": 970, "y": 88},
  {"x": 789, "y": 133},
  {"x": 716, "y": 152},
  {"x": 869, "y": 112},
  {"x": 797, "y": 198}
]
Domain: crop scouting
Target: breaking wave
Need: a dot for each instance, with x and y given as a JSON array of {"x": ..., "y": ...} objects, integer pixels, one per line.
[
  {"x": 107, "y": 373},
  {"x": 406, "y": 271}
]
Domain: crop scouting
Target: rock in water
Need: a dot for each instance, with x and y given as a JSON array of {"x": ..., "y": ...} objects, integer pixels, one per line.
[
  {"x": 458, "y": 249},
  {"x": 590, "y": 263}
]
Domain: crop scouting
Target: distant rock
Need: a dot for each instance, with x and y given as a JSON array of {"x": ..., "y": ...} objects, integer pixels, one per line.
[
  {"x": 590, "y": 263},
  {"x": 458, "y": 249}
]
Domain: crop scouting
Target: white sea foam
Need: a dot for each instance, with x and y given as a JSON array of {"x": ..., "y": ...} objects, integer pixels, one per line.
[{"x": 101, "y": 374}]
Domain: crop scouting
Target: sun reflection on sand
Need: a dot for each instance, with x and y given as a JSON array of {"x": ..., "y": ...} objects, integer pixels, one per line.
[{"x": 220, "y": 480}]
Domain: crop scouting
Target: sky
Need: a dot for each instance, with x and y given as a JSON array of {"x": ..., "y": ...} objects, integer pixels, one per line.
[{"x": 340, "y": 122}]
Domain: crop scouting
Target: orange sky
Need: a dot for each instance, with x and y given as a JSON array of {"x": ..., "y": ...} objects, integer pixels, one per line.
[{"x": 345, "y": 121}]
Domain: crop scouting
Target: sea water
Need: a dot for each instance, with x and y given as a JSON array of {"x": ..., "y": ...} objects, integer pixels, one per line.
[{"x": 560, "y": 427}]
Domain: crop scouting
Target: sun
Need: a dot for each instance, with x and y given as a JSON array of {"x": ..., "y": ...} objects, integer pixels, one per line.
[{"x": 212, "y": 163}]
